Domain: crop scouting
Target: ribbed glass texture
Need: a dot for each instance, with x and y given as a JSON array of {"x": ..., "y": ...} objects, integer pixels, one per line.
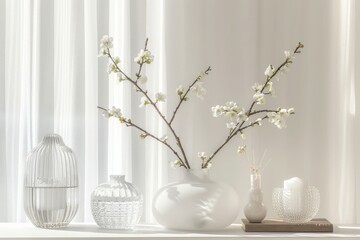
[
  {"x": 51, "y": 185},
  {"x": 296, "y": 206},
  {"x": 117, "y": 204}
]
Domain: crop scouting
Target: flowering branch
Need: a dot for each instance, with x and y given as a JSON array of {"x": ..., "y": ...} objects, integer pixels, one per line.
[
  {"x": 274, "y": 116},
  {"x": 183, "y": 96},
  {"x": 117, "y": 113},
  {"x": 138, "y": 74},
  {"x": 143, "y": 57},
  {"x": 239, "y": 117}
]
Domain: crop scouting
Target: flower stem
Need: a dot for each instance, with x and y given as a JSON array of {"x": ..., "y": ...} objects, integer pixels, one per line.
[
  {"x": 142, "y": 62},
  {"x": 184, "y": 161},
  {"x": 129, "y": 123},
  {"x": 182, "y": 99},
  {"x": 177, "y": 138},
  {"x": 240, "y": 126}
]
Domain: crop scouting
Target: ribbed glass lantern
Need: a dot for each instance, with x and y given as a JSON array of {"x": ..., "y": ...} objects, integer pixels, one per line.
[
  {"x": 296, "y": 206},
  {"x": 117, "y": 204},
  {"x": 51, "y": 185}
]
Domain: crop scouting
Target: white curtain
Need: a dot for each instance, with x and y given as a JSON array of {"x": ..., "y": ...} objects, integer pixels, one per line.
[{"x": 51, "y": 80}]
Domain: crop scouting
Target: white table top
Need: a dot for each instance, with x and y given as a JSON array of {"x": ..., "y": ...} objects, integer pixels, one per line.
[{"x": 16, "y": 231}]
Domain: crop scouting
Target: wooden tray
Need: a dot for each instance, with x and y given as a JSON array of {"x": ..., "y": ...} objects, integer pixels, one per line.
[{"x": 276, "y": 225}]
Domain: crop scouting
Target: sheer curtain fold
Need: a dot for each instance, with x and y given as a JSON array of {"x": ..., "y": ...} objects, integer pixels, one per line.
[
  {"x": 3, "y": 176},
  {"x": 357, "y": 102},
  {"x": 347, "y": 126},
  {"x": 120, "y": 152},
  {"x": 51, "y": 80},
  {"x": 91, "y": 153},
  {"x": 18, "y": 39}
]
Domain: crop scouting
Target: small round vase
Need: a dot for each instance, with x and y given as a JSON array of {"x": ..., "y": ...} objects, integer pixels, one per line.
[
  {"x": 255, "y": 210},
  {"x": 51, "y": 185},
  {"x": 116, "y": 204},
  {"x": 196, "y": 203}
]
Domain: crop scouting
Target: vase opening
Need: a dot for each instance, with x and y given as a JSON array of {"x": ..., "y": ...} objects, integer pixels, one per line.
[
  {"x": 196, "y": 174},
  {"x": 55, "y": 138},
  {"x": 116, "y": 179},
  {"x": 255, "y": 180},
  {"x": 116, "y": 204}
]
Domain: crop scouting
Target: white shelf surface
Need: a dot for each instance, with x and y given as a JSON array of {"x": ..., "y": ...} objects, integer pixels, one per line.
[{"x": 78, "y": 231}]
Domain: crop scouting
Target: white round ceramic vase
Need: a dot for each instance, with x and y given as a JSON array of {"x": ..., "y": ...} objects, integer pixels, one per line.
[{"x": 196, "y": 203}]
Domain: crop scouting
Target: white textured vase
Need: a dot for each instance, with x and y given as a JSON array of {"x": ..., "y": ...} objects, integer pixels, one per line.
[
  {"x": 196, "y": 203},
  {"x": 116, "y": 204},
  {"x": 255, "y": 210}
]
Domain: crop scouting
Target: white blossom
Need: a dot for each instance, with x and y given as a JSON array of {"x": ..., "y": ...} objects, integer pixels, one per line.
[
  {"x": 112, "y": 112},
  {"x": 278, "y": 118},
  {"x": 243, "y": 115},
  {"x": 291, "y": 110},
  {"x": 144, "y": 57},
  {"x": 288, "y": 55},
  {"x": 164, "y": 138},
  {"x": 144, "y": 101},
  {"x": 280, "y": 123},
  {"x": 272, "y": 116},
  {"x": 176, "y": 163},
  {"x": 116, "y": 60},
  {"x": 202, "y": 156},
  {"x": 116, "y": 112},
  {"x": 138, "y": 59},
  {"x": 269, "y": 71},
  {"x": 106, "y": 42},
  {"x": 143, "y": 136},
  {"x": 199, "y": 90},
  {"x": 284, "y": 69},
  {"x": 180, "y": 90},
  {"x": 208, "y": 165},
  {"x": 120, "y": 77},
  {"x": 284, "y": 112},
  {"x": 106, "y": 114},
  {"x": 142, "y": 79},
  {"x": 258, "y": 121},
  {"x": 112, "y": 68},
  {"x": 160, "y": 97},
  {"x": 257, "y": 87},
  {"x": 241, "y": 149},
  {"x": 201, "y": 76},
  {"x": 217, "y": 111},
  {"x": 230, "y": 125},
  {"x": 232, "y": 114},
  {"x": 242, "y": 135},
  {"x": 103, "y": 52},
  {"x": 148, "y": 58},
  {"x": 259, "y": 98},
  {"x": 269, "y": 87},
  {"x": 231, "y": 109}
]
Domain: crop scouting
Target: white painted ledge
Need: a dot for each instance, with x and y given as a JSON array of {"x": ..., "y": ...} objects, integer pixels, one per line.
[{"x": 15, "y": 231}]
